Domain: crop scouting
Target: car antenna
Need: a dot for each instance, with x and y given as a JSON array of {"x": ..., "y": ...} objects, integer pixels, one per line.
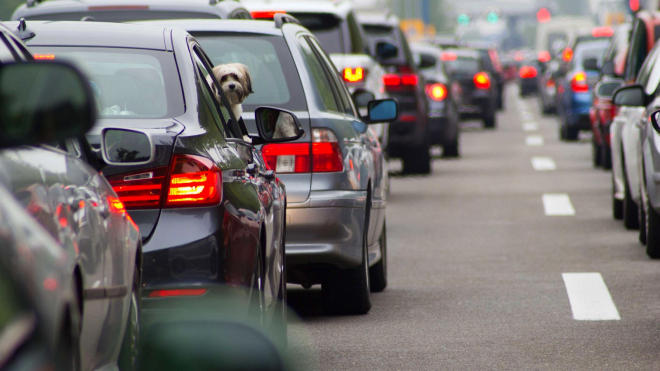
[
  {"x": 22, "y": 31},
  {"x": 31, "y": 3}
]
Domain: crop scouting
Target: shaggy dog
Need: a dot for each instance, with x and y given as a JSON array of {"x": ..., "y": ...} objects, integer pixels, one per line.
[{"x": 236, "y": 83}]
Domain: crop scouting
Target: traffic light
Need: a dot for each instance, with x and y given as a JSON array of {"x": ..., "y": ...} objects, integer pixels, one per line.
[
  {"x": 543, "y": 15},
  {"x": 463, "y": 19},
  {"x": 492, "y": 17}
]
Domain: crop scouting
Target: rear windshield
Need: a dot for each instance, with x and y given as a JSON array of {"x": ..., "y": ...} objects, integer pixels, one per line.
[
  {"x": 122, "y": 15},
  {"x": 592, "y": 49},
  {"x": 463, "y": 65},
  {"x": 127, "y": 83},
  {"x": 327, "y": 29},
  {"x": 274, "y": 76}
]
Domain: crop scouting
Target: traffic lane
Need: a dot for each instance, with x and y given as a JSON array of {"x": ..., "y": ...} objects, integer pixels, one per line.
[{"x": 476, "y": 268}]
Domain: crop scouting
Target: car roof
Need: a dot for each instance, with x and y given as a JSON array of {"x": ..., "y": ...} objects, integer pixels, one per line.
[
  {"x": 66, "y": 33},
  {"x": 341, "y": 8},
  {"x": 225, "y": 7},
  {"x": 419, "y": 46},
  {"x": 210, "y": 25},
  {"x": 377, "y": 18}
]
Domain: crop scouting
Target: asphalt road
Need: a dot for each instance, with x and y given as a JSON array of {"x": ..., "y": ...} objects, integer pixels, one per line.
[{"x": 476, "y": 267}]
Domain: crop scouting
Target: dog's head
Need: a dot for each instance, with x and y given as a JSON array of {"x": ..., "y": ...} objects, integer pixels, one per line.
[{"x": 235, "y": 81}]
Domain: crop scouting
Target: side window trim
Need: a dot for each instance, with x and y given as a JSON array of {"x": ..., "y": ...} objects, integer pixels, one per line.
[{"x": 324, "y": 65}]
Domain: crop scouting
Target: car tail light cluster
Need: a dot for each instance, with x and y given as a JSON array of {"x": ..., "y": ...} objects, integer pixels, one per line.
[
  {"x": 189, "y": 182},
  {"x": 544, "y": 56},
  {"x": 437, "y": 91},
  {"x": 448, "y": 56},
  {"x": 567, "y": 55},
  {"x": 177, "y": 292},
  {"x": 550, "y": 83},
  {"x": 579, "y": 83},
  {"x": 399, "y": 82},
  {"x": 354, "y": 74},
  {"x": 323, "y": 155},
  {"x": 605, "y": 31},
  {"x": 481, "y": 80},
  {"x": 527, "y": 72},
  {"x": 267, "y": 14}
]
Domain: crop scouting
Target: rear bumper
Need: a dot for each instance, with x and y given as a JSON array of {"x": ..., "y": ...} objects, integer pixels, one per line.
[{"x": 326, "y": 229}]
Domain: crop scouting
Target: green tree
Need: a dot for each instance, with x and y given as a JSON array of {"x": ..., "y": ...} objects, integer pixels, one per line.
[{"x": 7, "y": 8}]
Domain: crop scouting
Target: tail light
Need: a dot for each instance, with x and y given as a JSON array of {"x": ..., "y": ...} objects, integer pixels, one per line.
[
  {"x": 437, "y": 92},
  {"x": 268, "y": 14},
  {"x": 528, "y": 72},
  {"x": 192, "y": 181},
  {"x": 579, "y": 83},
  {"x": 354, "y": 74},
  {"x": 567, "y": 55},
  {"x": 448, "y": 56},
  {"x": 323, "y": 155},
  {"x": 177, "y": 292},
  {"x": 394, "y": 82},
  {"x": 481, "y": 80},
  {"x": 550, "y": 83},
  {"x": 544, "y": 56},
  {"x": 605, "y": 31},
  {"x": 614, "y": 110}
]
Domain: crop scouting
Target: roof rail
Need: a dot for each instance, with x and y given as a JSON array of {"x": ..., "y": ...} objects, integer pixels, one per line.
[
  {"x": 282, "y": 18},
  {"x": 31, "y": 3}
]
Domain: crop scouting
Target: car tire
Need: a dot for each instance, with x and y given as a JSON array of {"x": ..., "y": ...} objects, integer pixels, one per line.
[
  {"x": 347, "y": 291},
  {"x": 490, "y": 120},
  {"x": 417, "y": 160},
  {"x": 643, "y": 223},
  {"x": 451, "y": 150},
  {"x": 571, "y": 134},
  {"x": 652, "y": 226},
  {"x": 129, "y": 354},
  {"x": 630, "y": 209},
  {"x": 617, "y": 205},
  {"x": 67, "y": 354},
  {"x": 378, "y": 273},
  {"x": 606, "y": 156},
  {"x": 596, "y": 153},
  {"x": 500, "y": 100},
  {"x": 279, "y": 325}
]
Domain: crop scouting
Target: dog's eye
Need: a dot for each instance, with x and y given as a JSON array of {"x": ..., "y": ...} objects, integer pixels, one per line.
[{"x": 223, "y": 78}]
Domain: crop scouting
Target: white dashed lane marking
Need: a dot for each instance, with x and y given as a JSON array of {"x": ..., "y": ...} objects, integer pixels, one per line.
[
  {"x": 557, "y": 204},
  {"x": 534, "y": 140},
  {"x": 530, "y": 126},
  {"x": 589, "y": 297},
  {"x": 543, "y": 164}
]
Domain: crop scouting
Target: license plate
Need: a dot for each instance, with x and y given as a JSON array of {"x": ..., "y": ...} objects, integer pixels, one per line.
[{"x": 285, "y": 164}]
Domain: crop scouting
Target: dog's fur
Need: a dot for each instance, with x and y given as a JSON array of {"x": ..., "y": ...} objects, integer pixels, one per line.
[
  {"x": 285, "y": 127},
  {"x": 236, "y": 83}
]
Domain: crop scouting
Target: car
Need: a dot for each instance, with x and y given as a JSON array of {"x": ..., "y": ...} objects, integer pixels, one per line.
[
  {"x": 602, "y": 111},
  {"x": 443, "y": 96},
  {"x": 336, "y": 175},
  {"x": 623, "y": 131},
  {"x": 574, "y": 82},
  {"x": 491, "y": 64},
  {"x": 479, "y": 97},
  {"x": 335, "y": 26},
  {"x": 552, "y": 36},
  {"x": 211, "y": 213},
  {"x": 528, "y": 75},
  {"x": 409, "y": 138},
  {"x": 61, "y": 187},
  {"x": 122, "y": 11}
]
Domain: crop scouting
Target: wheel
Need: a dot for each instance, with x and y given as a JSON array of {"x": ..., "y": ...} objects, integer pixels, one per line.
[
  {"x": 417, "y": 160},
  {"x": 643, "y": 223},
  {"x": 606, "y": 156},
  {"x": 378, "y": 273},
  {"x": 490, "y": 120},
  {"x": 347, "y": 291},
  {"x": 67, "y": 354},
  {"x": 652, "y": 227},
  {"x": 571, "y": 133},
  {"x": 500, "y": 100},
  {"x": 451, "y": 150},
  {"x": 128, "y": 356},
  {"x": 617, "y": 205},
  {"x": 630, "y": 211},
  {"x": 279, "y": 325},
  {"x": 596, "y": 153}
]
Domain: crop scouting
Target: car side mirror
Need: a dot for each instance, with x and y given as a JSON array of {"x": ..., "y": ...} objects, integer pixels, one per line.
[
  {"x": 386, "y": 50},
  {"x": 427, "y": 61},
  {"x": 43, "y": 102},
  {"x": 654, "y": 120},
  {"x": 362, "y": 97},
  {"x": 383, "y": 110},
  {"x": 606, "y": 89},
  {"x": 124, "y": 147},
  {"x": 277, "y": 125},
  {"x": 632, "y": 95},
  {"x": 607, "y": 68},
  {"x": 590, "y": 64}
]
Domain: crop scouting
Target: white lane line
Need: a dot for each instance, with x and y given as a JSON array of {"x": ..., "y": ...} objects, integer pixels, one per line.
[
  {"x": 530, "y": 126},
  {"x": 534, "y": 140},
  {"x": 543, "y": 164},
  {"x": 557, "y": 204},
  {"x": 589, "y": 297}
]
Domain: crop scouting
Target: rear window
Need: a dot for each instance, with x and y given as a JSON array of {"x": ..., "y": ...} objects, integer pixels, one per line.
[
  {"x": 123, "y": 15},
  {"x": 326, "y": 28},
  {"x": 126, "y": 83},
  {"x": 275, "y": 79},
  {"x": 593, "y": 49},
  {"x": 463, "y": 65}
]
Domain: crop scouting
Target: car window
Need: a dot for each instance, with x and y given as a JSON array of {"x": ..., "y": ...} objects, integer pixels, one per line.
[
  {"x": 7, "y": 54},
  {"x": 358, "y": 44},
  {"x": 22, "y": 51},
  {"x": 275, "y": 79},
  {"x": 323, "y": 85},
  {"x": 463, "y": 65},
  {"x": 327, "y": 28},
  {"x": 331, "y": 70},
  {"x": 647, "y": 67},
  {"x": 637, "y": 51}
]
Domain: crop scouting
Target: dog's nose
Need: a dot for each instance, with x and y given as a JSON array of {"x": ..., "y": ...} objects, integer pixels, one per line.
[{"x": 232, "y": 86}]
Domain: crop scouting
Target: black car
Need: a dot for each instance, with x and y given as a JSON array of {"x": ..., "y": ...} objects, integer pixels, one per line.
[
  {"x": 122, "y": 11},
  {"x": 210, "y": 211},
  {"x": 491, "y": 64},
  {"x": 528, "y": 76},
  {"x": 409, "y": 137},
  {"x": 479, "y": 91},
  {"x": 442, "y": 93}
]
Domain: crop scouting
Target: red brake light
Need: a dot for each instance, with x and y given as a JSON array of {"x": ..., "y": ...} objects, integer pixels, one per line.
[
  {"x": 354, "y": 75},
  {"x": 48, "y": 57},
  {"x": 400, "y": 82},
  {"x": 411, "y": 80},
  {"x": 177, "y": 292},
  {"x": 437, "y": 92},
  {"x": 323, "y": 155},
  {"x": 481, "y": 80},
  {"x": 194, "y": 181},
  {"x": 579, "y": 83},
  {"x": 544, "y": 56},
  {"x": 567, "y": 55},
  {"x": 391, "y": 80},
  {"x": 326, "y": 153},
  {"x": 602, "y": 32},
  {"x": 550, "y": 83},
  {"x": 447, "y": 56},
  {"x": 141, "y": 189},
  {"x": 267, "y": 14},
  {"x": 528, "y": 72}
]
